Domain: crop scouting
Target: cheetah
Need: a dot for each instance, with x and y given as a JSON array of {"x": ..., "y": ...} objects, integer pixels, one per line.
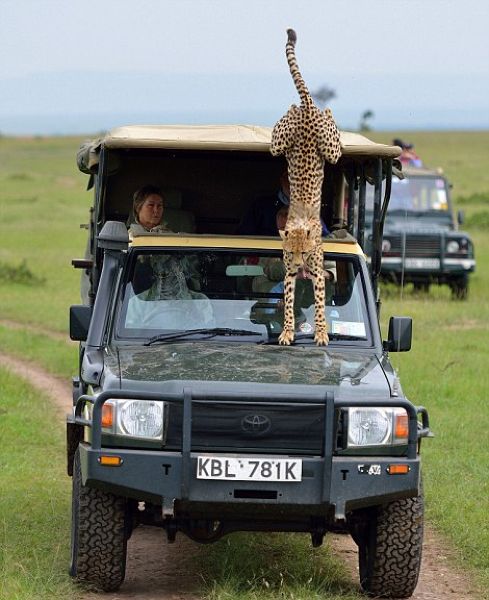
[{"x": 307, "y": 137}]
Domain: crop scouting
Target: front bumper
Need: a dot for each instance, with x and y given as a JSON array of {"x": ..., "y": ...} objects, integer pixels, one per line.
[
  {"x": 163, "y": 477},
  {"x": 438, "y": 269},
  {"x": 331, "y": 484}
]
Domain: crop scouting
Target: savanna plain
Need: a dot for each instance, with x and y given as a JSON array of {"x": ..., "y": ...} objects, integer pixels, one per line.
[{"x": 42, "y": 204}]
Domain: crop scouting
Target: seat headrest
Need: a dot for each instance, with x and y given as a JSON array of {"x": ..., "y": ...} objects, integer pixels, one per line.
[{"x": 173, "y": 198}]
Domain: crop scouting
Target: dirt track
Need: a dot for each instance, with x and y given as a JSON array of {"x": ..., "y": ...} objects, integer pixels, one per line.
[{"x": 159, "y": 571}]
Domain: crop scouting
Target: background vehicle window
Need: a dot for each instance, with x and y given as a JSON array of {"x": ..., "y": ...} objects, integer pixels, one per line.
[{"x": 414, "y": 194}]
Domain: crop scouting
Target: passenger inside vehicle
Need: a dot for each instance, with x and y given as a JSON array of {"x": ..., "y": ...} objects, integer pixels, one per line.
[
  {"x": 163, "y": 278},
  {"x": 169, "y": 299},
  {"x": 261, "y": 218},
  {"x": 147, "y": 211}
]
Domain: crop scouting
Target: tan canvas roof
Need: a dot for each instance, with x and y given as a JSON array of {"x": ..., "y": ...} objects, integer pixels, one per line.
[
  {"x": 424, "y": 171},
  {"x": 226, "y": 137}
]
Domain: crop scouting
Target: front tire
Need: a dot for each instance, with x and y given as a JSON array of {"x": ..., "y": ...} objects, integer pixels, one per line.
[
  {"x": 389, "y": 548},
  {"x": 98, "y": 535},
  {"x": 421, "y": 287},
  {"x": 460, "y": 287}
]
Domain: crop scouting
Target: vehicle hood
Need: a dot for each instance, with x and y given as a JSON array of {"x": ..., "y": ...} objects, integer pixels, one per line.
[
  {"x": 397, "y": 225},
  {"x": 350, "y": 372}
]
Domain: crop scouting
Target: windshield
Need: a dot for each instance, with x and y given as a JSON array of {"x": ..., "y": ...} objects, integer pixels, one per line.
[
  {"x": 211, "y": 293},
  {"x": 414, "y": 194}
]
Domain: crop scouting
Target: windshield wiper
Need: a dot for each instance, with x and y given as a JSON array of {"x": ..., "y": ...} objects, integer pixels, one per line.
[
  {"x": 332, "y": 337},
  {"x": 210, "y": 332}
]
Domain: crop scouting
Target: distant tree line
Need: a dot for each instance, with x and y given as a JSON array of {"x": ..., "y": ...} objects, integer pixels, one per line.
[{"x": 322, "y": 96}]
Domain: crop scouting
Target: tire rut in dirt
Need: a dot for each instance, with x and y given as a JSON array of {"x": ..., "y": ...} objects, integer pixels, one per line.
[{"x": 158, "y": 570}]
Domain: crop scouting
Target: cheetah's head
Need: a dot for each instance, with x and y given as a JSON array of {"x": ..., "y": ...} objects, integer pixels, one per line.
[{"x": 299, "y": 243}]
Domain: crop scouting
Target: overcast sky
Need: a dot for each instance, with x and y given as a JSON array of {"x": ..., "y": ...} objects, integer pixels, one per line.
[{"x": 68, "y": 65}]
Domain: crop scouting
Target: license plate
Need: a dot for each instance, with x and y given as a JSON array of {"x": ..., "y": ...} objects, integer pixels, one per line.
[
  {"x": 422, "y": 263},
  {"x": 249, "y": 469}
]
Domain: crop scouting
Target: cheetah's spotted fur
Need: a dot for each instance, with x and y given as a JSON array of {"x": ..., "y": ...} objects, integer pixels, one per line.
[{"x": 307, "y": 137}]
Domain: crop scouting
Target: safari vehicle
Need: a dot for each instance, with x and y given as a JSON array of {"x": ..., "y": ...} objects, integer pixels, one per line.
[
  {"x": 422, "y": 244},
  {"x": 188, "y": 415}
]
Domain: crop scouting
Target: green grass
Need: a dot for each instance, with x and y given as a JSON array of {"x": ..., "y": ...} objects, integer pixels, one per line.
[
  {"x": 57, "y": 357},
  {"x": 42, "y": 202},
  {"x": 446, "y": 372},
  {"x": 477, "y": 199},
  {"x": 34, "y": 502},
  {"x": 478, "y": 220},
  {"x": 19, "y": 274},
  {"x": 463, "y": 155},
  {"x": 268, "y": 566}
]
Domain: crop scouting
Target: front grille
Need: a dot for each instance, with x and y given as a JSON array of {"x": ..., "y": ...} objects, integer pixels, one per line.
[
  {"x": 416, "y": 245},
  {"x": 250, "y": 427}
]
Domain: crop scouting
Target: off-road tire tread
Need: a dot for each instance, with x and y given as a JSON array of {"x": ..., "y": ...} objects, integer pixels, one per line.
[
  {"x": 396, "y": 538},
  {"x": 460, "y": 288},
  {"x": 101, "y": 545}
]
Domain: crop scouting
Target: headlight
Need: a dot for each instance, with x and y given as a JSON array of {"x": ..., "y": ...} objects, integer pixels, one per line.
[
  {"x": 372, "y": 426},
  {"x": 143, "y": 419},
  {"x": 140, "y": 418},
  {"x": 386, "y": 245},
  {"x": 453, "y": 247}
]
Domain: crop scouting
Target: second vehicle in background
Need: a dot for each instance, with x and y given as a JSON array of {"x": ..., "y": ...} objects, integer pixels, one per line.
[{"x": 422, "y": 244}]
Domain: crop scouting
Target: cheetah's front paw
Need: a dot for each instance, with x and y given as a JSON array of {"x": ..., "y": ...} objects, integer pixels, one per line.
[
  {"x": 286, "y": 337},
  {"x": 321, "y": 337}
]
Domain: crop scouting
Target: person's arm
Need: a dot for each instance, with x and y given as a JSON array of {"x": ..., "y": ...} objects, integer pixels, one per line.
[
  {"x": 250, "y": 222},
  {"x": 330, "y": 270}
]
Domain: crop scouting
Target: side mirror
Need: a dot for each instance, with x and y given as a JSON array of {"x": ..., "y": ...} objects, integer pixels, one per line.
[
  {"x": 80, "y": 316},
  {"x": 460, "y": 217},
  {"x": 400, "y": 334}
]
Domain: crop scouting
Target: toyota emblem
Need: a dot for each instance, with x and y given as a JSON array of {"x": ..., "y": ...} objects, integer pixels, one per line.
[{"x": 256, "y": 424}]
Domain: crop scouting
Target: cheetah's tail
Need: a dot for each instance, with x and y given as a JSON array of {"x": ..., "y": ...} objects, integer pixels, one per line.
[{"x": 299, "y": 82}]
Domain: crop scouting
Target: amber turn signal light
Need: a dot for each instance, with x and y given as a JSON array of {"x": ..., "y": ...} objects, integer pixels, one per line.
[
  {"x": 107, "y": 415},
  {"x": 398, "y": 469},
  {"x": 110, "y": 461},
  {"x": 402, "y": 426}
]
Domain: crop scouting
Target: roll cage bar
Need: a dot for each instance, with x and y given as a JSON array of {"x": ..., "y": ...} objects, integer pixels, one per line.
[{"x": 357, "y": 176}]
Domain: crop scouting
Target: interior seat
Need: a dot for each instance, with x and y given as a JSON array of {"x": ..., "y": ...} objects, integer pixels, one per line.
[{"x": 176, "y": 218}]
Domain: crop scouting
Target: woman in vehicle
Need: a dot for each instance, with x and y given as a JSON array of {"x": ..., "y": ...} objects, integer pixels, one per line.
[
  {"x": 163, "y": 276},
  {"x": 147, "y": 208}
]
